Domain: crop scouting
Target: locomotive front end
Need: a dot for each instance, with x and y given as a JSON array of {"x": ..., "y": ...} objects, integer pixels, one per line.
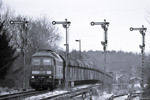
[
  {"x": 41, "y": 72},
  {"x": 46, "y": 70}
]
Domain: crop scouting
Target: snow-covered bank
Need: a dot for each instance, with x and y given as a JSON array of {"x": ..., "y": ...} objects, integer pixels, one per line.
[
  {"x": 103, "y": 96},
  {"x": 4, "y": 91}
]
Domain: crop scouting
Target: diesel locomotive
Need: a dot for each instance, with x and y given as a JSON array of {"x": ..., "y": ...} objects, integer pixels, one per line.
[{"x": 48, "y": 71}]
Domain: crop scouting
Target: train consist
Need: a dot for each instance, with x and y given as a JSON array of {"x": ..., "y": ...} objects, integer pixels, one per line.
[{"x": 48, "y": 71}]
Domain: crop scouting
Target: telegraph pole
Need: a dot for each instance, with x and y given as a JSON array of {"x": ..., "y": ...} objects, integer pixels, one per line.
[
  {"x": 142, "y": 47},
  {"x": 65, "y": 25},
  {"x": 24, "y": 24},
  {"x": 104, "y": 26}
]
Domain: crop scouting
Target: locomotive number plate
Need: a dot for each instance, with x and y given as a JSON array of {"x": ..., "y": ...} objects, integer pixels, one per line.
[{"x": 42, "y": 72}]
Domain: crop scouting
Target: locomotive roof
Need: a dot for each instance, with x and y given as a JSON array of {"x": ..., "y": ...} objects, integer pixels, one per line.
[{"x": 47, "y": 53}]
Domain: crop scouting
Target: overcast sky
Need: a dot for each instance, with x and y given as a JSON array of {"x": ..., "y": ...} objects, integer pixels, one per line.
[{"x": 122, "y": 14}]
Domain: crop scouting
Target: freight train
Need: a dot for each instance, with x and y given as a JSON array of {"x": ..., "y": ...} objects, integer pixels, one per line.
[{"x": 48, "y": 71}]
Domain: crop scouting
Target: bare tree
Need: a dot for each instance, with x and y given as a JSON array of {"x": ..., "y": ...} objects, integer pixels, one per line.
[{"x": 43, "y": 35}]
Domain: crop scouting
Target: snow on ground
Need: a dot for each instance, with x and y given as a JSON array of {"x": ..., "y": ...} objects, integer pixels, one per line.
[
  {"x": 103, "y": 96},
  {"x": 85, "y": 86},
  {"x": 80, "y": 87},
  {"x": 122, "y": 97},
  {"x": 136, "y": 98},
  {"x": 49, "y": 94},
  {"x": 5, "y": 91},
  {"x": 56, "y": 92}
]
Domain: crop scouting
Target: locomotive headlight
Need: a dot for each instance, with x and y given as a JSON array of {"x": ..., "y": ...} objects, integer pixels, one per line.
[
  {"x": 50, "y": 76},
  {"x": 32, "y": 76}
]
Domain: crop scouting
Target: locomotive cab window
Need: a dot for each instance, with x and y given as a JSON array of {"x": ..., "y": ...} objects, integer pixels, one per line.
[
  {"x": 35, "y": 61},
  {"x": 47, "y": 61}
]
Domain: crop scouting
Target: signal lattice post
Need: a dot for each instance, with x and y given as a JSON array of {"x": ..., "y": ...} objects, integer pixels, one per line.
[
  {"x": 24, "y": 24},
  {"x": 104, "y": 26},
  {"x": 65, "y": 25},
  {"x": 142, "y": 47}
]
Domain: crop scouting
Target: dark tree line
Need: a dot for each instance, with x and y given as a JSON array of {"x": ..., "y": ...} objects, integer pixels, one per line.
[{"x": 6, "y": 51}]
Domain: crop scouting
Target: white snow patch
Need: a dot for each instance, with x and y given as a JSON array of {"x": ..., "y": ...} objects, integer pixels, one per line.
[
  {"x": 122, "y": 97},
  {"x": 135, "y": 78},
  {"x": 136, "y": 98},
  {"x": 103, "y": 96},
  {"x": 137, "y": 85},
  {"x": 56, "y": 92},
  {"x": 84, "y": 86},
  {"x": 5, "y": 91},
  {"x": 49, "y": 94}
]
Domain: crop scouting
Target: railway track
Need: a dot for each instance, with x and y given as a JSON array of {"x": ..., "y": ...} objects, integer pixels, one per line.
[
  {"x": 70, "y": 94},
  {"x": 126, "y": 96},
  {"x": 65, "y": 95},
  {"x": 20, "y": 95},
  {"x": 114, "y": 97},
  {"x": 82, "y": 91}
]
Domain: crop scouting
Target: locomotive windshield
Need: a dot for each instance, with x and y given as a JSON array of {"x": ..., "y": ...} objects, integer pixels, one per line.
[
  {"x": 42, "y": 61},
  {"x": 47, "y": 61},
  {"x": 35, "y": 61}
]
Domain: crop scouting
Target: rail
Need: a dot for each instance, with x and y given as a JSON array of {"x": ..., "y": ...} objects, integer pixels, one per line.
[
  {"x": 73, "y": 93},
  {"x": 19, "y": 94},
  {"x": 130, "y": 96}
]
